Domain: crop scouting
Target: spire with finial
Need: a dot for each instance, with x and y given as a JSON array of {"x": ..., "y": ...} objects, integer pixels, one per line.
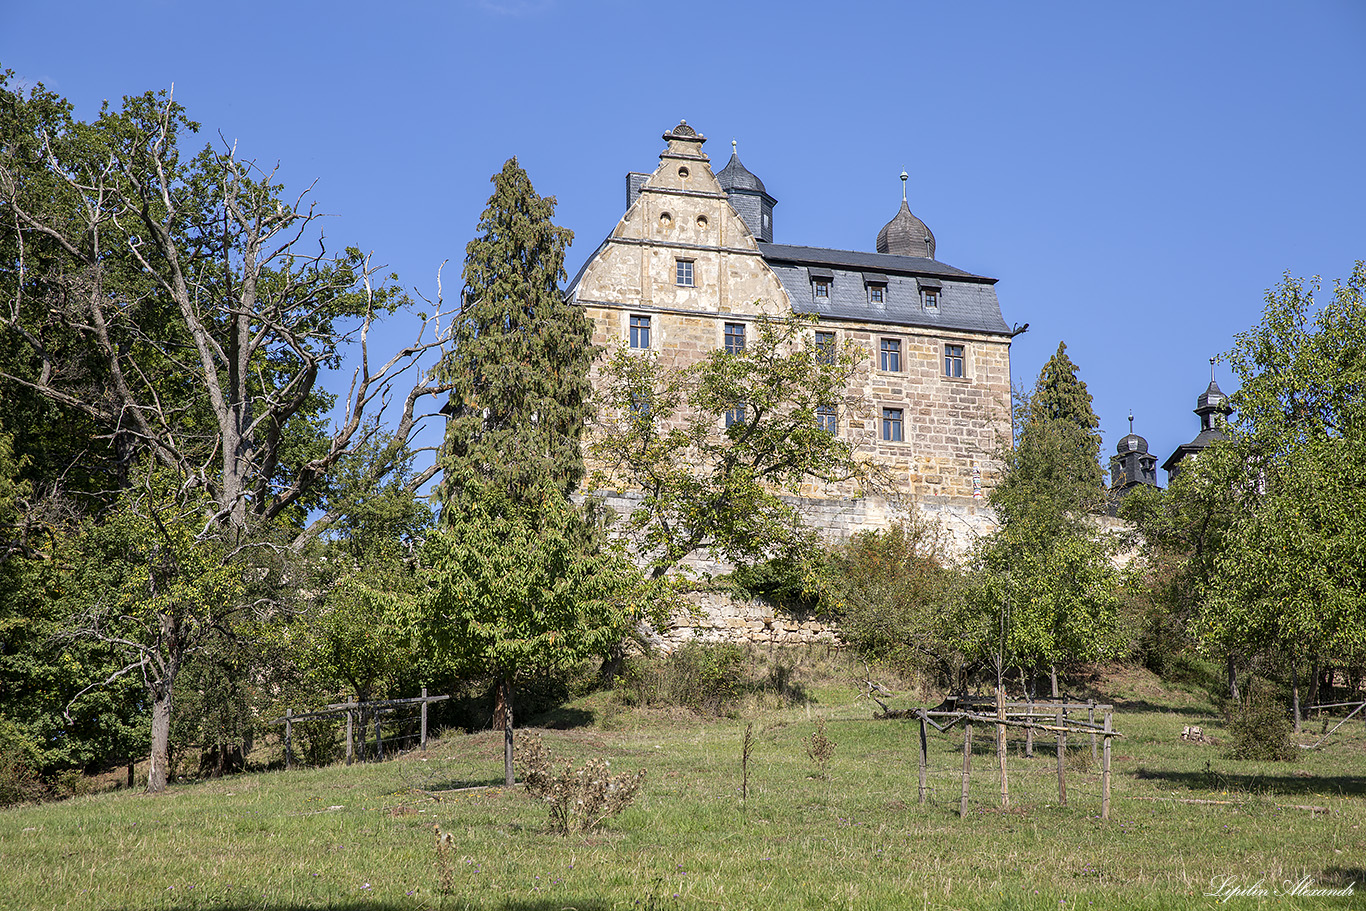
[
  {"x": 747, "y": 195},
  {"x": 906, "y": 235},
  {"x": 1131, "y": 422}
]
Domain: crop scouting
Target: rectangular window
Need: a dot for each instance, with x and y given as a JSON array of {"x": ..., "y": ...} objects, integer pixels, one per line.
[
  {"x": 640, "y": 332},
  {"x": 891, "y": 425},
  {"x": 828, "y": 419},
  {"x": 822, "y": 289},
  {"x": 953, "y": 360},
  {"x": 735, "y": 338},
  {"x": 685, "y": 273},
  {"x": 640, "y": 405},
  {"x": 875, "y": 293},
  {"x": 825, "y": 347},
  {"x": 736, "y": 415},
  {"x": 891, "y": 355},
  {"x": 931, "y": 299}
]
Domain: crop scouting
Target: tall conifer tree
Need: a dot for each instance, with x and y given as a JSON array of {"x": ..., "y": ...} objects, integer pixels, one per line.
[{"x": 524, "y": 582}]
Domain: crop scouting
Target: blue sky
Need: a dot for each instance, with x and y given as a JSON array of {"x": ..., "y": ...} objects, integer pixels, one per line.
[{"x": 1135, "y": 175}]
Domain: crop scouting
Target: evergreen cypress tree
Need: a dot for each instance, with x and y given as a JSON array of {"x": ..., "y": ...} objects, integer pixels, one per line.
[
  {"x": 524, "y": 582},
  {"x": 519, "y": 361}
]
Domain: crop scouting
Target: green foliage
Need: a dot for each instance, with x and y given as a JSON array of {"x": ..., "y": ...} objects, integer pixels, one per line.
[
  {"x": 1259, "y": 726},
  {"x": 897, "y": 600},
  {"x": 1265, "y": 531},
  {"x": 522, "y": 580},
  {"x": 718, "y": 491},
  {"x": 1045, "y": 583}
]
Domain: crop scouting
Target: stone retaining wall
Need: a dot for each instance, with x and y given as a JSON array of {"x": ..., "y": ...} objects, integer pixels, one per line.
[{"x": 718, "y": 617}]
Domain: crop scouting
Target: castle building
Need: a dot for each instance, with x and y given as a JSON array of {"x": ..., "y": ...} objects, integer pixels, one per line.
[
  {"x": 693, "y": 263},
  {"x": 1211, "y": 402}
]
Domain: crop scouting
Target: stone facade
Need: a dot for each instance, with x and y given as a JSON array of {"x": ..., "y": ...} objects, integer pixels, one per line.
[{"x": 684, "y": 261}]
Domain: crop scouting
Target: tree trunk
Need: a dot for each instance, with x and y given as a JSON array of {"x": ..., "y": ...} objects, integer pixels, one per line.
[
  {"x": 1313, "y": 683},
  {"x": 1232, "y": 679},
  {"x": 1295, "y": 692},
  {"x": 158, "y": 771},
  {"x": 505, "y": 700}
]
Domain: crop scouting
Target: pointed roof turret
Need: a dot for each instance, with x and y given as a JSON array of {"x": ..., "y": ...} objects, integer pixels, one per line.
[
  {"x": 735, "y": 176},
  {"x": 906, "y": 235}
]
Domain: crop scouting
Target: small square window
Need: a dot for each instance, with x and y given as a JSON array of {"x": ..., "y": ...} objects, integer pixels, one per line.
[
  {"x": 953, "y": 360},
  {"x": 685, "y": 273},
  {"x": 828, "y": 419},
  {"x": 825, "y": 347},
  {"x": 891, "y": 425},
  {"x": 735, "y": 338},
  {"x": 890, "y": 355},
  {"x": 640, "y": 332},
  {"x": 931, "y": 299},
  {"x": 640, "y": 405},
  {"x": 876, "y": 293},
  {"x": 736, "y": 415},
  {"x": 822, "y": 289}
]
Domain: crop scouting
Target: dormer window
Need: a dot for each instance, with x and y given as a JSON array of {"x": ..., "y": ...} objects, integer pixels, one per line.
[
  {"x": 876, "y": 285},
  {"x": 930, "y": 290},
  {"x": 821, "y": 282}
]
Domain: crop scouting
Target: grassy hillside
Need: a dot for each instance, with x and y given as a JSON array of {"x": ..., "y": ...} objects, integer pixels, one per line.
[{"x": 361, "y": 837}]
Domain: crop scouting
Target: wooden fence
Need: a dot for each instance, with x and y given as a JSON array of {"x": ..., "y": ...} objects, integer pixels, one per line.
[
  {"x": 1058, "y": 718},
  {"x": 376, "y": 708}
]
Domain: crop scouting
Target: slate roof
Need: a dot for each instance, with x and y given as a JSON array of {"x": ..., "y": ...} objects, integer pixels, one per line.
[{"x": 967, "y": 302}]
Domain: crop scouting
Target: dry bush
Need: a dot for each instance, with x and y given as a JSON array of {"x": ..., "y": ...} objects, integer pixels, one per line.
[
  {"x": 820, "y": 748},
  {"x": 579, "y": 799}
]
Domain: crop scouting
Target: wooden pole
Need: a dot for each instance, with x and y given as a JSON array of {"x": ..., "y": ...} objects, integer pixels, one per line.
[
  {"x": 1062, "y": 762},
  {"x": 1091, "y": 717},
  {"x": 424, "y": 720},
  {"x": 379, "y": 741},
  {"x": 1105, "y": 773},
  {"x": 1001, "y": 745},
  {"x": 289, "y": 737},
  {"x": 350, "y": 737},
  {"x": 924, "y": 751},
  {"x": 1029, "y": 706},
  {"x": 967, "y": 765}
]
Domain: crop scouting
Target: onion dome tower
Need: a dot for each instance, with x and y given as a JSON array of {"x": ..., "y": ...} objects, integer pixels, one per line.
[
  {"x": 747, "y": 196},
  {"x": 906, "y": 235},
  {"x": 1210, "y": 403},
  {"x": 1132, "y": 464}
]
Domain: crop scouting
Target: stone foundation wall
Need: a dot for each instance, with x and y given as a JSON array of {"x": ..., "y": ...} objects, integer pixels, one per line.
[{"x": 717, "y": 617}]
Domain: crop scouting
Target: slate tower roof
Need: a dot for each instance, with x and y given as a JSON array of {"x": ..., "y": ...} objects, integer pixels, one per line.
[
  {"x": 1211, "y": 402},
  {"x": 747, "y": 196},
  {"x": 906, "y": 235}
]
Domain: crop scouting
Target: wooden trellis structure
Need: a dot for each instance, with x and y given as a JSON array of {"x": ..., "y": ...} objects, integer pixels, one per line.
[
  {"x": 377, "y": 709},
  {"x": 1058, "y": 718}
]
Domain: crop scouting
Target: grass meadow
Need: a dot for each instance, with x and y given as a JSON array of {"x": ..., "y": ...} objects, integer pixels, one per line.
[{"x": 1183, "y": 817}]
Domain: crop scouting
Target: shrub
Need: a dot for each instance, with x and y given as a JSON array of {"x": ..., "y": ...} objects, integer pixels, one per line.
[
  {"x": 820, "y": 748},
  {"x": 18, "y": 784},
  {"x": 1259, "y": 726},
  {"x": 579, "y": 799}
]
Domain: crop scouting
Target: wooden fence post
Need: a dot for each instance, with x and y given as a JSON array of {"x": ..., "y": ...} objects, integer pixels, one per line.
[
  {"x": 350, "y": 738},
  {"x": 1091, "y": 717},
  {"x": 289, "y": 736},
  {"x": 1105, "y": 770},
  {"x": 423, "y": 739},
  {"x": 967, "y": 763},
  {"x": 1062, "y": 761},
  {"x": 924, "y": 750},
  {"x": 379, "y": 741}
]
